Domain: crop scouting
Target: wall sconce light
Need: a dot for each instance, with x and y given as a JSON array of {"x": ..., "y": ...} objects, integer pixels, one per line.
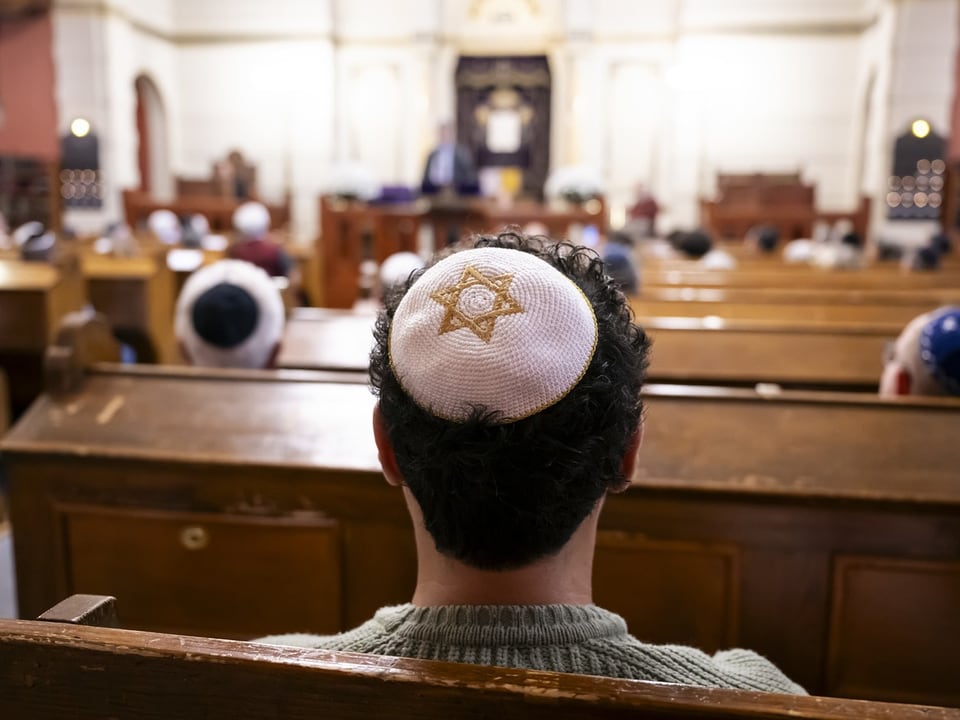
[
  {"x": 920, "y": 128},
  {"x": 80, "y": 127}
]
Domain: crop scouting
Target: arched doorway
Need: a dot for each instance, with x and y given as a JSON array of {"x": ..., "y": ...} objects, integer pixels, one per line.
[{"x": 152, "y": 158}]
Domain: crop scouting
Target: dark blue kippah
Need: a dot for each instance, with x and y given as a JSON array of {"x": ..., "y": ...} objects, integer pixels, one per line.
[
  {"x": 225, "y": 315},
  {"x": 940, "y": 348}
]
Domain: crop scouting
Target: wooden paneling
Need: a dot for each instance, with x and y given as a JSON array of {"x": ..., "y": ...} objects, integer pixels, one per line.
[
  {"x": 137, "y": 295},
  {"x": 218, "y": 210},
  {"x": 894, "y": 623},
  {"x": 182, "y": 571},
  {"x": 34, "y": 297},
  {"x": 676, "y": 592}
]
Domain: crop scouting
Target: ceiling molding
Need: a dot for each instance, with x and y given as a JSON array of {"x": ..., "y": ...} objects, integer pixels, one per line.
[{"x": 586, "y": 36}]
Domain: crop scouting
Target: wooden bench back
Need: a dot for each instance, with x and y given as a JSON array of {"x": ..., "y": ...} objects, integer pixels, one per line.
[
  {"x": 55, "y": 670},
  {"x": 799, "y": 353},
  {"x": 796, "y": 277},
  {"x": 34, "y": 296}
]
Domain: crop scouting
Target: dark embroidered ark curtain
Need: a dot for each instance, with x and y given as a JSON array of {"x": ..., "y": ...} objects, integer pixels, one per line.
[{"x": 514, "y": 88}]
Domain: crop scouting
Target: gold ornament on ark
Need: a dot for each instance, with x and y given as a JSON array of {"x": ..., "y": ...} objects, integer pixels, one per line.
[{"x": 482, "y": 324}]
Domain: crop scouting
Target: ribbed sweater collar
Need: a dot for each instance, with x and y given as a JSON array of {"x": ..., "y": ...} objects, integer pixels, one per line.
[{"x": 502, "y": 625}]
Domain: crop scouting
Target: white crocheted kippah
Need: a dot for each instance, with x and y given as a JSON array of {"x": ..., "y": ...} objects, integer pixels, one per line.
[
  {"x": 494, "y": 328},
  {"x": 251, "y": 220},
  {"x": 253, "y": 350}
]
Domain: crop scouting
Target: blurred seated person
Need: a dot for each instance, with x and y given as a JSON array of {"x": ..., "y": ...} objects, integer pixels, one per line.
[
  {"x": 925, "y": 359},
  {"x": 377, "y": 282},
  {"x": 843, "y": 249},
  {"x": 642, "y": 214},
  {"x": 195, "y": 228},
  {"x": 763, "y": 239},
  {"x": 698, "y": 245},
  {"x": 165, "y": 226},
  {"x": 252, "y": 223},
  {"x": 925, "y": 259},
  {"x": 116, "y": 240},
  {"x": 234, "y": 177},
  {"x": 619, "y": 262},
  {"x": 230, "y": 315},
  {"x": 941, "y": 242},
  {"x": 396, "y": 270},
  {"x": 449, "y": 167},
  {"x": 35, "y": 242}
]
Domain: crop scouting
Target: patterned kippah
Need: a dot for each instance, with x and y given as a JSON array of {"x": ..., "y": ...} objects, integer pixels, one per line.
[
  {"x": 940, "y": 348},
  {"x": 491, "y": 328}
]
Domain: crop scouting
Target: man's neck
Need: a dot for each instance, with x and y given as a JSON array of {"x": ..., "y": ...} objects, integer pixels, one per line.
[{"x": 561, "y": 579}]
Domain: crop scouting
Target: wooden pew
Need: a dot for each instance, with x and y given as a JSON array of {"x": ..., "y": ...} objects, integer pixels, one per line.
[
  {"x": 793, "y": 277},
  {"x": 218, "y": 210},
  {"x": 353, "y": 231},
  {"x": 822, "y": 530},
  {"x": 327, "y": 339},
  {"x": 53, "y": 669},
  {"x": 784, "y": 313},
  {"x": 916, "y": 298},
  {"x": 798, "y": 353},
  {"x": 33, "y": 299},
  {"x": 137, "y": 294}
]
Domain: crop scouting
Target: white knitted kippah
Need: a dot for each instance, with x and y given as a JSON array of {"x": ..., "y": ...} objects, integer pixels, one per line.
[
  {"x": 494, "y": 328},
  {"x": 251, "y": 220},
  {"x": 255, "y": 350}
]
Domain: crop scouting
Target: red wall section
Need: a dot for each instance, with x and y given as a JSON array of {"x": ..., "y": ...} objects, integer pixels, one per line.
[{"x": 27, "y": 89}]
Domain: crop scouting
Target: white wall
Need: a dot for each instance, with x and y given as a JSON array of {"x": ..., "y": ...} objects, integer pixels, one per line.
[
  {"x": 270, "y": 99},
  {"x": 667, "y": 92},
  {"x": 99, "y": 49}
]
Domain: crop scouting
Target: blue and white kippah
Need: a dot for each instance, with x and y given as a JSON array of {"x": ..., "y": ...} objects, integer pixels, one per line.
[
  {"x": 491, "y": 328},
  {"x": 940, "y": 348}
]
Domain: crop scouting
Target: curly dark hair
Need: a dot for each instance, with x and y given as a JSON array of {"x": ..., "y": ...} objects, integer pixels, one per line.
[{"x": 501, "y": 496}]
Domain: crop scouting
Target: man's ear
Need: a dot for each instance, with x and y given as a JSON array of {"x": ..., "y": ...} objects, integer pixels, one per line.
[
  {"x": 629, "y": 464},
  {"x": 388, "y": 460}
]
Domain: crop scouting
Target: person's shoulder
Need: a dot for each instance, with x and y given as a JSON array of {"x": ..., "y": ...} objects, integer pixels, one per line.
[
  {"x": 736, "y": 669},
  {"x": 359, "y": 639}
]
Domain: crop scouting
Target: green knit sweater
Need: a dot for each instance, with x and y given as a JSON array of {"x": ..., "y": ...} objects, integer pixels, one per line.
[{"x": 582, "y": 639}]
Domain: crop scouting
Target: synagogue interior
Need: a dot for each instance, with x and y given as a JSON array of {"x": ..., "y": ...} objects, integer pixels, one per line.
[{"x": 205, "y": 207}]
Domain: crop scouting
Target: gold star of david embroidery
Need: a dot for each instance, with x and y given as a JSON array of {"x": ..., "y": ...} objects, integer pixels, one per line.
[{"x": 481, "y": 324}]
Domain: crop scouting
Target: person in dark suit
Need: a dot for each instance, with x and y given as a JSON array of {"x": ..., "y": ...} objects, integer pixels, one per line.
[{"x": 449, "y": 166}]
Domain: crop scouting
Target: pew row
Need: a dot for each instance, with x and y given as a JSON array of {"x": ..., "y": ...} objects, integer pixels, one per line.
[
  {"x": 33, "y": 299},
  {"x": 52, "y": 669},
  {"x": 354, "y": 231},
  {"x": 181, "y": 491},
  {"x": 918, "y": 298},
  {"x": 797, "y": 277},
  {"x": 802, "y": 353},
  {"x": 784, "y": 313}
]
